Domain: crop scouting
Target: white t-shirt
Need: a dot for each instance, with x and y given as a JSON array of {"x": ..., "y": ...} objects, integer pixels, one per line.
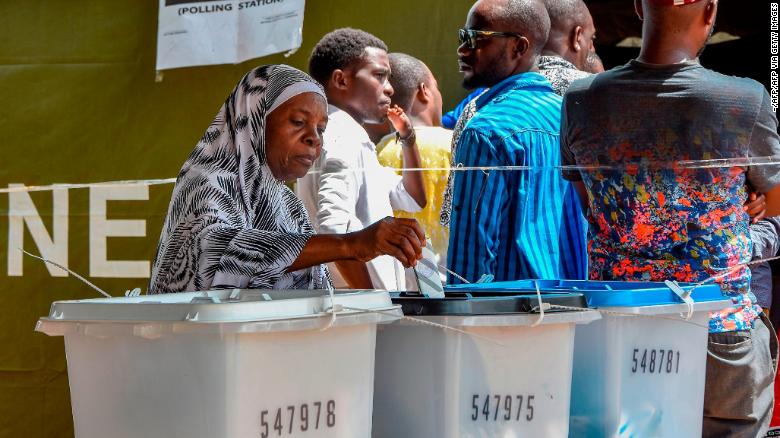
[{"x": 347, "y": 190}]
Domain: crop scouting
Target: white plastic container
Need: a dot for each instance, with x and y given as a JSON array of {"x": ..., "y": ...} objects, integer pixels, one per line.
[
  {"x": 230, "y": 363},
  {"x": 501, "y": 378},
  {"x": 642, "y": 376}
]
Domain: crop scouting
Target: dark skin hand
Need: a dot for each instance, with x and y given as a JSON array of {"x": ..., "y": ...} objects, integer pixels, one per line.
[
  {"x": 402, "y": 243},
  {"x": 293, "y": 143},
  {"x": 396, "y": 237},
  {"x": 755, "y": 206},
  {"x": 354, "y": 270},
  {"x": 413, "y": 180}
]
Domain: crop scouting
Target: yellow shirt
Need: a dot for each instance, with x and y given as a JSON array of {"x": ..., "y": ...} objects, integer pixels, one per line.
[{"x": 434, "y": 145}]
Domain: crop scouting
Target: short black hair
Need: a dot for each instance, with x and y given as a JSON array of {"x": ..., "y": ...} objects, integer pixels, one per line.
[
  {"x": 527, "y": 17},
  {"x": 338, "y": 50},
  {"x": 406, "y": 74},
  {"x": 564, "y": 14}
]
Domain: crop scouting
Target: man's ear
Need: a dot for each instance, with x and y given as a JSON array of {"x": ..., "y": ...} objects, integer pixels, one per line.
[
  {"x": 339, "y": 79},
  {"x": 576, "y": 35},
  {"x": 522, "y": 46},
  {"x": 423, "y": 93},
  {"x": 710, "y": 11},
  {"x": 638, "y": 9}
]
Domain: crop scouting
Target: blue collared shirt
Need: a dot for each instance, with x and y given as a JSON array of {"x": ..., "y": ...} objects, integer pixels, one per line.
[
  {"x": 515, "y": 224},
  {"x": 450, "y": 118}
]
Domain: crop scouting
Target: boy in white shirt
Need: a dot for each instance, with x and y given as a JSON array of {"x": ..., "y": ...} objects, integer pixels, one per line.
[{"x": 347, "y": 189}]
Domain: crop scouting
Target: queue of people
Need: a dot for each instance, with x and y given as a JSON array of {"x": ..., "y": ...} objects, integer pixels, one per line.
[{"x": 569, "y": 172}]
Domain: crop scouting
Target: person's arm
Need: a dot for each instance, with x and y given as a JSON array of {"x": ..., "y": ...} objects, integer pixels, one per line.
[
  {"x": 755, "y": 206},
  {"x": 336, "y": 197},
  {"x": 582, "y": 194},
  {"x": 355, "y": 273},
  {"x": 412, "y": 179},
  {"x": 474, "y": 249},
  {"x": 396, "y": 237},
  {"x": 764, "y": 235},
  {"x": 326, "y": 248},
  {"x": 765, "y": 142},
  {"x": 450, "y": 119},
  {"x": 568, "y": 159},
  {"x": 336, "y": 201},
  {"x": 773, "y": 201}
]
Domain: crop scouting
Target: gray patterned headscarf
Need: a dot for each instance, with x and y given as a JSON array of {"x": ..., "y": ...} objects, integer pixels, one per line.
[{"x": 230, "y": 222}]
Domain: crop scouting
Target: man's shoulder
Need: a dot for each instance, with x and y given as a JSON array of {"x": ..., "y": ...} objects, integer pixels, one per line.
[
  {"x": 560, "y": 73},
  {"x": 591, "y": 82},
  {"x": 739, "y": 81},
  {"x": 344, "y": 134},
  {"x": 341, "y": 123},
  {"x": 707, "y": 81},
  {"x": 711, "y": 83},
  {"x": 582, "y": 85},
  {"x": 387, "y": 149},
  {"x": 518, "y": 110},
  {"x": 434, "y": 135}
]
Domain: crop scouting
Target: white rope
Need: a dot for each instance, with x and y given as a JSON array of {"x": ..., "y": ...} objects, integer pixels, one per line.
[
  {"x": 686, "y": 164},
  {"x": 334, "y": 309},
  {"x": 542, "y": 305},
  {"x": 428, "y": 323},
  {"x": 87, "y": 282},
  {"x": 684, "y": 295},
  {"x": 136, "y": 182},
  {"x": 733, "y": 269},
  {"x": 633, "y": 315},
  {"x": 454, "y": 274}
]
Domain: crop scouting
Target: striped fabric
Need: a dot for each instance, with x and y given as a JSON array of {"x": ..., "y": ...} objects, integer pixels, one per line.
[
  {"x": 515, "y": 224},
  {"x": 230, "y": 222}
]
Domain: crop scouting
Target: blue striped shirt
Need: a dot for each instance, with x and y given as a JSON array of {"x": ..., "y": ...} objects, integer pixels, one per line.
[{"x": 515, "y": 224}]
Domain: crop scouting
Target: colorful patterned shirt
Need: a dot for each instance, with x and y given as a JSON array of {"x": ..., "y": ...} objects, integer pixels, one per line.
[{"x": 652, "y": 216}]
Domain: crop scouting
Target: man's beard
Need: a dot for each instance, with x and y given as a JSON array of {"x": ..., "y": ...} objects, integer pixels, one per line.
[{"x": 490, "y": 75}]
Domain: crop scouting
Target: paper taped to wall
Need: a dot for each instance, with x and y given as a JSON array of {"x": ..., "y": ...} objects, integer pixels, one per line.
[{"x": 207, "y": 32}]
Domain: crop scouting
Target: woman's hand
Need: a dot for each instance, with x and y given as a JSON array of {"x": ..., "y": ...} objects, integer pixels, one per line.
[
  {"x": 400, "y": 121},
  {"x": 397, "y": 237}
]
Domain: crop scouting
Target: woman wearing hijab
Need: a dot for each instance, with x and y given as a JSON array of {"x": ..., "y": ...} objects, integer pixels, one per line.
[{"x": 232, "y": 221}]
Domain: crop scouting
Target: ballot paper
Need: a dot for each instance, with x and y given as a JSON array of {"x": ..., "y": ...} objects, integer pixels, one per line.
[
  {"x": 427, "y": 273},
  {"x": 207, "y": 32}
]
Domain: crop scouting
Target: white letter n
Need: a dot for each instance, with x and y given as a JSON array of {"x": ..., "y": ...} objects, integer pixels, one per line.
[{"x": 21, "y": 211}]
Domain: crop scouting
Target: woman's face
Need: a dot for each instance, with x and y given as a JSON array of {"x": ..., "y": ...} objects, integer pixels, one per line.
[{"x": 294, "y": 135}]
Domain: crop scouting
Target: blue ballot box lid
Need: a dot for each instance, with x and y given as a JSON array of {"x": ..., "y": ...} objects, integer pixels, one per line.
[
  {"x": 483, "y": 302},
  {"x": 598, "y": 293}
]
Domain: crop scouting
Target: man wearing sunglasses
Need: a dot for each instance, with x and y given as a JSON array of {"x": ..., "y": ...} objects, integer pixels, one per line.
[
  {"x": 508, "y": 224},
  {"x": 569, "y": 54}
]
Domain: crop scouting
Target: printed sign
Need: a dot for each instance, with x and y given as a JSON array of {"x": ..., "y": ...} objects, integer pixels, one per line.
[{"x": 206, "y": 32}]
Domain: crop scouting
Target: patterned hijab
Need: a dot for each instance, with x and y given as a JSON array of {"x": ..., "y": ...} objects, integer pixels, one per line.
[{"x": 230, "y": 222}]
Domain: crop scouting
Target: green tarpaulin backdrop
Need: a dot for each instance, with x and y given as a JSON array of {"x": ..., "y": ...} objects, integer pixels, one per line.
[{"x": 80, "y": 104}]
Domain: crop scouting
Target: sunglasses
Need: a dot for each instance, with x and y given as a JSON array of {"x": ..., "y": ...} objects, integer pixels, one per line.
[{"x": 469, "y": 37}]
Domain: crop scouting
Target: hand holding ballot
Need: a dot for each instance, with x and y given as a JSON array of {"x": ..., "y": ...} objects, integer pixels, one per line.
[{"x": 396, "y": 237}]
